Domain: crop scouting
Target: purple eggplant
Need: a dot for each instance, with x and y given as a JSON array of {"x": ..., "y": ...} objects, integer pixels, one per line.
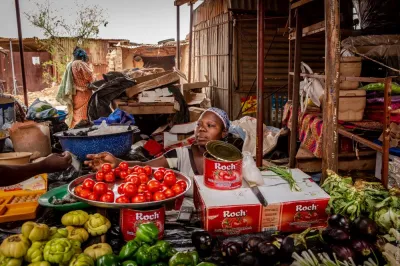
[
  {"x": 252, "y": 243},
  {"x": 268, "y": 251},
  {"x": 365, "y": 228},
  {"x": 339, "y": 221},
  {"x": 335, "y": 235},
  {"x": 294, "y": 243},
  {"x": 203, "y": 243},
  {"x": 231, "y": 250},
  {"x": 248, "y": 259},
  {"x": 363, "y": 249},
  {"x": 343, "y": 253}
]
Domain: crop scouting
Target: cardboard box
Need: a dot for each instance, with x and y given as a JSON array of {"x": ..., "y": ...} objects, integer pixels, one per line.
[
  {"x": 195, "y": 113},
  {"x": 228, "y": 212},
  {"x": 289, "y": 211},
  {"x": 235, "y": 212}
]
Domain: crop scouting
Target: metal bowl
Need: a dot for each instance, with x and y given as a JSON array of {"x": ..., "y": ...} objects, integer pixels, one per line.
[
  {"x": 118, "y": 144},
  {"x": 114, "y": 187}
]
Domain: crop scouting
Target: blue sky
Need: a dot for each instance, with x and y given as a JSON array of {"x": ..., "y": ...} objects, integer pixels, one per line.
[{"x": 141, "y": 21}]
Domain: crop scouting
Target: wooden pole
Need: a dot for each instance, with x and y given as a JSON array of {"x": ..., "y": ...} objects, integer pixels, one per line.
[
  {"x": 230, "y": 68},
  {"x": 290, "y": 77},
  {"x": 332, "y": 80},
  {"x": 190, "y": 43},
  {"x": 178, "y": 43},
  {"x": 386, "y": 132},
  {"x": 260, "y": 82},
  {"x": 296, "y": 88},
  {"x": 21, "y": 53}
]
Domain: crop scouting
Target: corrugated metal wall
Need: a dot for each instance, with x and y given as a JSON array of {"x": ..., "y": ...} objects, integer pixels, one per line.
[
  {"x": 211, "y": 57},
  {"x": 276, "y": 50}
]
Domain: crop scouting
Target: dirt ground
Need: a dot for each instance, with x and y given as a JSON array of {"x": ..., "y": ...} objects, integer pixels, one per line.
[{"x": 48, "y": 94}]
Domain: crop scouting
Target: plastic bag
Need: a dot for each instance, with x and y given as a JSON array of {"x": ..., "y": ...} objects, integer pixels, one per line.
[
  {"x": 41, "y": 110},
  {"x": 310, "y": 89},
  {"x": 251, "y": 173},
  {"x": 117, "y": 117}
]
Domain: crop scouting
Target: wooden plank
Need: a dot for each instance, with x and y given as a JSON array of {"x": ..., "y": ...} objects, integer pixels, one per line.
[
  {"x": 300, "y": 3},
  {"x": 331, "y": 96},
  {"x": 148, "y": 108},
  {"x": 386, "y": 131},
  {"x": 195, "y": 85},
  {"x": 182, "y": 2},
  {"x": 152, "y": 84},
  {"x": 152, "y": 76},
  {"x": 296, "y": 88},
  {"x": 310, "y": 30}
]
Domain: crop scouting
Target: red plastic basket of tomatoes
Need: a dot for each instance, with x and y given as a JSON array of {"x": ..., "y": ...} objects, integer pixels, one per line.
[{"x": 124, "y": 187}]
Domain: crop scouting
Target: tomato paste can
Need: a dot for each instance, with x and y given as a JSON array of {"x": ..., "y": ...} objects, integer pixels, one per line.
[
  {"x": 131, "y": 219},
  {"x": 222, "y": 166}
]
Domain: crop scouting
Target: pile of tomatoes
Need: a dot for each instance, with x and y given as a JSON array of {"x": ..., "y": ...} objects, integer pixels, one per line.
[{"x": 140, "y": 184}]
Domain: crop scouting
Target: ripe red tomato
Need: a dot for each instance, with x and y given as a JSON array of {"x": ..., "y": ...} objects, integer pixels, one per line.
[
  {"x": 134, "y": 179},
  {"x": 159, "y": 175},
  {"x": 120, "y": 189},
  {"x": 88, "y": 183},
  {"x": 85, "y": 193},
  {"x": 134, "y": 169},
  {"x": 148, "y": 195},
  {"x": 139, "y": 198},
  {"x": 170, "y": 179},
  {"x": 100, "y": 188},
  {"x": 147, "y": 170},
  {"x": 163, "y": 187},
  {"x": 109, "y": 177},
  {"x": 143, "y": 178},
  {"x": 162, "y": 169},
  {"x": 177, "y": 189},
  {"x": 168, "y": 171},
  {"x": 106, "y": 168},
  {"x": 130, "y": 189},
  {"x": 140, "y": 170},
  {"x": 182, "y": 184},
  {"x": 142, "y": 188},
  {"x": 93, "y": 197},
  {"x": 116, "y": 172},
  {"x": 78, "y": 190},
  {"x": 129, "y": 171},
  {"x": 159, "y": 196},
  {"x": 100, "y": 176},
  {"x": 122, "y": 199},
  {"x": 107, "y": 198},
  {"x": 123, "y": 166},
  {"x": 169, "y": 193},
  {"x": 123, "y": 174},
  {"x": 154, "y": 186}
]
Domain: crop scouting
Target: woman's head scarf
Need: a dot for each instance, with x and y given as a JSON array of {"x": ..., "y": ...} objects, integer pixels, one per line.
[
  {"x": 222, "y": 115},
  {"x": 80, "y": 54}
]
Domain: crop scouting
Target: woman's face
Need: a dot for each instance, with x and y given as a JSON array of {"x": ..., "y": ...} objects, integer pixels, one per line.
[{"x": 209, "y": 127}]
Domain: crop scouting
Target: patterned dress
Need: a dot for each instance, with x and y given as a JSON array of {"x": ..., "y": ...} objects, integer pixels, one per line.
[{"x": 82, "y": 76}]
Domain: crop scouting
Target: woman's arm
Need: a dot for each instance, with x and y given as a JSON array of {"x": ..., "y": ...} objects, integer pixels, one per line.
[
  {"x": 14, "y": 174},
  {"x": 97, "y": 160}
]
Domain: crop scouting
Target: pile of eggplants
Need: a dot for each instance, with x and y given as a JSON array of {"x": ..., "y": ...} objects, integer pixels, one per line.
[{"x": 355, "y": 240}]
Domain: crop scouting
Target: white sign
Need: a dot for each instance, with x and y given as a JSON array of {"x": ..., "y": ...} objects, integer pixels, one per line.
[{"x": 36, "y": 60}]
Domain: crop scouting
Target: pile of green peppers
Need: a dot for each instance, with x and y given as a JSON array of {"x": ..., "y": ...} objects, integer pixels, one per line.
[{"x": 147, "y": 250}]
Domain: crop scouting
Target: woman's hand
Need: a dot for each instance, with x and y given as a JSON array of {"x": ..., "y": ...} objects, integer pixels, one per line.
[
  {"x": 97, "y": 160},
  {"x": 57, "y": 162}
]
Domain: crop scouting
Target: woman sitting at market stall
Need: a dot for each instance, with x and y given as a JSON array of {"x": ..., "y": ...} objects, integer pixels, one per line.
[{"x": 213, "y": 124}]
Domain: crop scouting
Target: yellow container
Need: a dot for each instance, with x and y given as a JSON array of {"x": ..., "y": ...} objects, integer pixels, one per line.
[{"x": 20, "y": 201}]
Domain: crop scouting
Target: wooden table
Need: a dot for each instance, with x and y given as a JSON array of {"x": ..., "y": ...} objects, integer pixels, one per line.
[{"x": 135, "y": 108}]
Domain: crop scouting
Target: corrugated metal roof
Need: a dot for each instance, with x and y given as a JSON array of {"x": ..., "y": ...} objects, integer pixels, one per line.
[{"x": 168, "y": 44}]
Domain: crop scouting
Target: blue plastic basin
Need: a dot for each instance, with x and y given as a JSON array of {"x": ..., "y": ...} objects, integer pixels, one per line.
[{"x": 118, "y": 144}]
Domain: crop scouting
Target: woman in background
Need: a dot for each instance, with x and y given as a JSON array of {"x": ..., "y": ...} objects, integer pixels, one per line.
[{"x": 74, "y": 91}]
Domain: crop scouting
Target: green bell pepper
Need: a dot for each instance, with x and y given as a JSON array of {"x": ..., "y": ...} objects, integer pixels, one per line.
[
  {"x": 129, "y": 263},
  {"x": 159, "y": 264},
  {"x": 195, "y": 256},
  {"x": 147, "y": 255},
  {"x": 108, "y": 260},
  {"x": 182, "y": 259},
  {"x": 206, "y": 264},
  {"x": 147, "y": 233},
  {"x": 128, "y": 250},
  {"x": 165, "y": 249}
]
